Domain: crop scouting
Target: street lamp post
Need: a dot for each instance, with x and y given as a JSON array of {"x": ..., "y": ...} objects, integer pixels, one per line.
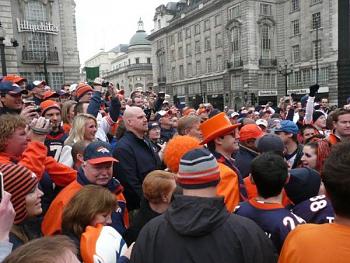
[
  {"x": 2, "y": 50},
  {"x": 285, "y": 72}
]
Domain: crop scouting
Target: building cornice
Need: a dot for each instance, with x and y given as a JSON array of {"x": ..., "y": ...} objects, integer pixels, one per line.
[{"x": 188, "y": 17}]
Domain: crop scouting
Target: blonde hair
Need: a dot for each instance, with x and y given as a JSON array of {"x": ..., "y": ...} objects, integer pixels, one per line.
[
  {"x": 8, "y": 125},
  {"x": 84, "y": 206},
  {"x": 77, "y": 132},
  {"x": 65, "y": 110}
]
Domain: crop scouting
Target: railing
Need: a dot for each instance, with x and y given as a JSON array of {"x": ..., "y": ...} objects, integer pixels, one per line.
[
  {"x": 161, "y": 80},
  {"x": 267, "y": 62},
  {"x": 51, "y": 57},
  {"x": 235, "y": 64}
]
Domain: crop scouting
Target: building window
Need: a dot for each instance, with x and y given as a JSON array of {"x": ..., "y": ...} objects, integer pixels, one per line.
[
  {"x": 295, "y": 27},
  {"x": 317, "y": 49},
  {"x": 207, "y": 44},
  {"x": 189, "y": 70},
  {"x": 39, "y": 75},
  {"x": 27, "y": 75},
  {"x": 173, "y": 73},
  {"x": 197, "y": 29},
  {"x": 295, "y": 5},
  {"x": 265, "y": 9},
  {"x": 206, "y": 24},
  {"x": 219, "y": 63},
  {"x": 316, "y": 20},
  {"x": 218, "y": 40},
  {"x": 237, "y": 82},
  {"x": 233, "y": 12},
  {"x": 172, "y": 54},
  {"x": 180, "y": 53},
  {"x": 171, "y": 40},
  {"x": 38, "y": 42},
  {"x": 297, "y": 78},
  {"x": 208, "y": 64},
  {"x": 181, "y": 72},
  {"x": 265, "y": 42},
  {"x": 148, "y": 60},
  {"x": 179, "y": 36},
  {"x": 137, "y": 60},
  {"x": 197, "y": 47},
  {"x": 313, "y": 2},
  {"x": 188, "y": 49},
  {"x": 188, "y": 32},
  {"x": 217, "y": 20},
  {"x": 35, "y": 12},
  {"x": 57, "y": 80},
  {"x": 198, "y": 67},
  {"x": 296, "y": 53}
]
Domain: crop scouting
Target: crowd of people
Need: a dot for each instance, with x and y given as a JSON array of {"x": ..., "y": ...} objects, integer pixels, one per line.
[{"x": 92, "y": 175}]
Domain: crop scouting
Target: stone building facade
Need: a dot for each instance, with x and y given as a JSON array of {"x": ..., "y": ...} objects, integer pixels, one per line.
[
  {"x": 232, "y": 53},
  {"x": 47, "y": 41},
  {"x": 132, "y": 69}
]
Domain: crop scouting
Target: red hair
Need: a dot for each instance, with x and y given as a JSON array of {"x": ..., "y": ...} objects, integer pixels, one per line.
[
  {"x": 176, "y": 148},
  {"x": 322, "y": 149}
]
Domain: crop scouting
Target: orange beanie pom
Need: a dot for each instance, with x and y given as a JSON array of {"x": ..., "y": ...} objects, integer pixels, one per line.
[{"x": 176, "y": 148}]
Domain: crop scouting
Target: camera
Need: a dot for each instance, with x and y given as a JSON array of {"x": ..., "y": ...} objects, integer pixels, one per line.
[
  {"x": 37, "y": 108},
  {"x": 105, "y": 84}
]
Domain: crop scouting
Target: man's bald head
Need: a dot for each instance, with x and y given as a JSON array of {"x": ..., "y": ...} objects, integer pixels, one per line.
[{"x": 135, "y": 120}]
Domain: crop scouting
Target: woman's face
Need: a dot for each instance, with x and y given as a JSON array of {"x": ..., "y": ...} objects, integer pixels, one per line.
[
  {"x": 90, "y": 130},
  {"x": 33, "y": 202},
  {"x": 102, "y": 218},
  {"x": 71, "y": 112},
  {"x": 154, "y": 134},
  {"x": 309, "y": 157}
]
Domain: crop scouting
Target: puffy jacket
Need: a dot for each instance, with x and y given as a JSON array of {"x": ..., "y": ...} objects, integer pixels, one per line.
[
  {"x": 52, "y": 221},
  {"x": 199, "y": 229}
]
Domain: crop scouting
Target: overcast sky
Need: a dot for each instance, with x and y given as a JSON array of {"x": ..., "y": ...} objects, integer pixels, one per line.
[{"x": 107, "y": 23}]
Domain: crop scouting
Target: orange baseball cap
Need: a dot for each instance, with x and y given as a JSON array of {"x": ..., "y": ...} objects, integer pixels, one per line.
[
  {"x": 14, "y": 78},
  {"x": 50, "y": 94},
  {"x": 216, "y": 126},
  {"x": 250, "y": 131}
]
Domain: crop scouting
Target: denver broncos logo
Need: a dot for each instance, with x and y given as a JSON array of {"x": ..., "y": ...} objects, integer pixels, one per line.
[{"x": 102, "y": 150}]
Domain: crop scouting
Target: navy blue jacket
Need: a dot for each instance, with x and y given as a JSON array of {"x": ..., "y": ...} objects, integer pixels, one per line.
[
  {"x": 244, "y": 158},
  {"x": 136, "y": 159}
]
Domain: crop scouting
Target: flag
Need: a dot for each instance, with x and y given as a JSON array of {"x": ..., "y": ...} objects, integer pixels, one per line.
[{"x": 92, "y": 73}]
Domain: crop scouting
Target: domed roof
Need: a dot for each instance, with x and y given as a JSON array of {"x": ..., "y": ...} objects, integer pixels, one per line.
[{"x": 139, "y": 38}]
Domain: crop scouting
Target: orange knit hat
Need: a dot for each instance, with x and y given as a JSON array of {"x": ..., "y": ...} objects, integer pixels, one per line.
[
  {"x": 82, "y": 89},
  {"x": 48, "y": 104},
  {"x": 176, "y": 148}
]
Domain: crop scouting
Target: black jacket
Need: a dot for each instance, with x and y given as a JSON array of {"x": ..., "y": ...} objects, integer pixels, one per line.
[
  {"x": 136, "y": 159},
  {"x": 197, "y": 229},
  {"x": 143, "y": 216}
]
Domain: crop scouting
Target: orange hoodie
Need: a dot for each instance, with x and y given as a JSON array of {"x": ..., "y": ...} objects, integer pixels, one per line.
[{"x": 35, "y": 159}]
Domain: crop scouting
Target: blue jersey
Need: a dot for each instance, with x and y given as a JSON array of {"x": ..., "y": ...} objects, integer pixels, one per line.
[
  {"x": 273, "y": 218},
  {"x": 316, "y": 210}
]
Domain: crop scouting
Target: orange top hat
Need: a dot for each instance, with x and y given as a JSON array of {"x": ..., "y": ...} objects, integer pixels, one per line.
[{"x": 216, "y": 126}]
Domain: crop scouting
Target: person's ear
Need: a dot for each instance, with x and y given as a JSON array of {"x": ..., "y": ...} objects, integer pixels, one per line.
[
  {"x": 218, "y": 140},
  {"x": 80, "y": 157}
]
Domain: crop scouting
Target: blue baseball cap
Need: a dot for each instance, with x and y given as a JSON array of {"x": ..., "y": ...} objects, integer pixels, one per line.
[
  {"x": 11, "y": 88},
  {"x": 287, "y": 126},
  {"x": 98, "y": 152}
]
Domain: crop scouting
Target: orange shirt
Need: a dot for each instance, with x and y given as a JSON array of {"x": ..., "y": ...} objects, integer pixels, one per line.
[
  {"x": 252, "y": 192},
  {"x": 228, "y": 187},
  {"x": 66, "y": 127},
  {"x": 312, "y": 243}
]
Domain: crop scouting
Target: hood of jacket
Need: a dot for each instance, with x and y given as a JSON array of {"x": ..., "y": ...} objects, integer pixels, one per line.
[{"x": 196, "y": 216}]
